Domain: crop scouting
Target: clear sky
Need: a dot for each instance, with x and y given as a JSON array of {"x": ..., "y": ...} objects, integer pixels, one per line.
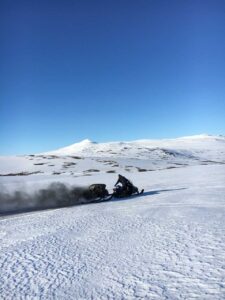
[{"x": 109, "y": 70}]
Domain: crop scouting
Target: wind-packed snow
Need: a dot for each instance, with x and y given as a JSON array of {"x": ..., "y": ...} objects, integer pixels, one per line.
[{"x": 166, "y": 244}]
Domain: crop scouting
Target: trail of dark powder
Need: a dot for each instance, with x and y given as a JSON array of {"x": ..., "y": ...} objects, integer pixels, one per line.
[{"x": 55, "y": 195}]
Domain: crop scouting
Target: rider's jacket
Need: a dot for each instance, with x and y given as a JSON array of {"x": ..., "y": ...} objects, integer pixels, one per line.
[{"x": 124, "y": 181}]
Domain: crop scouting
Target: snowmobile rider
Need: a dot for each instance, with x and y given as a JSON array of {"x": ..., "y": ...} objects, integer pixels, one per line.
[{"x": 126, "y": 184}]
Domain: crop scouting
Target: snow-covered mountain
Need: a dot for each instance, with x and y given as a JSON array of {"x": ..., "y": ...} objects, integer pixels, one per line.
[
  {"x": 86, "y": 157},
  {"x": 140, "y": 148}
]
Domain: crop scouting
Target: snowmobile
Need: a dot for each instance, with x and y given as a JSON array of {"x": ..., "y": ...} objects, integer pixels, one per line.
[{"x": 98, "y": 192}]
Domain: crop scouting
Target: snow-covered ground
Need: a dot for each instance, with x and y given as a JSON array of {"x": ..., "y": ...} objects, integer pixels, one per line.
[{"x": 166, "y": 244}]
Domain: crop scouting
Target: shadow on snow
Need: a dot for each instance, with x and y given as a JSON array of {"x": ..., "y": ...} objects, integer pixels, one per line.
[{"x": 148, "y": 193}]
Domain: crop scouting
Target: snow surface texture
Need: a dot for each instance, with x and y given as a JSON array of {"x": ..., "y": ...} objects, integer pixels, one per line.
[{"x": 166, "y": 244}]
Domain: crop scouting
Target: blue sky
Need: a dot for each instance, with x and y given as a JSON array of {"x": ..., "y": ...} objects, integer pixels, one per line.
[{"x": 109, "y": 70}]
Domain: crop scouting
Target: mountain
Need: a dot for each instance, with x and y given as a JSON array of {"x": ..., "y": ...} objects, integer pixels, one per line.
[
  {"x": 197, "y": 145},
  {"x": 86, "y": 157},
  {"x": 86, "y": 146}
]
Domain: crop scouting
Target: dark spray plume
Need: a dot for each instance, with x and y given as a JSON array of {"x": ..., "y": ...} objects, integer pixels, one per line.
[{"x": 55, "y": 195}]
